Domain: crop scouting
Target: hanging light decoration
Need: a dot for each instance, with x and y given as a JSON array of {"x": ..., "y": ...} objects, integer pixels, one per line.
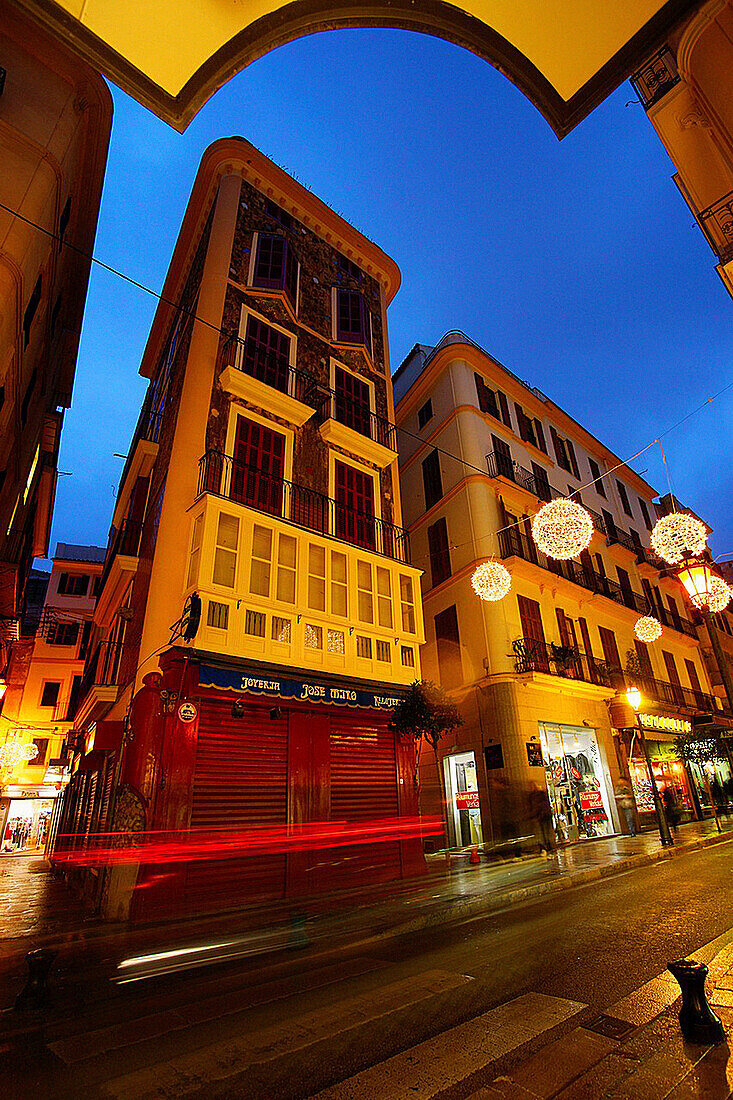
[
  {"x": 13, "y": 754},
  {"x": 647, "y": 628},
  {"x": 491, "y": 581},
  {"x": 677, "y": 535},
  {"x": 562, "y": 528},
  {"x": 706, "y": 589},
  {"x": 719, "y": 594}
]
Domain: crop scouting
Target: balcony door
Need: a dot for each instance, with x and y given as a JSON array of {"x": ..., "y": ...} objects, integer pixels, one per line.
[
  {"x": 533, "y": 634},
  {"x": 257, "y": 475},
  {"x": 354, "y": 506},
  {"x": 266, "y": 354},
  {"x": 503, "y": 455},
  {"x": 352, "y": 401}
]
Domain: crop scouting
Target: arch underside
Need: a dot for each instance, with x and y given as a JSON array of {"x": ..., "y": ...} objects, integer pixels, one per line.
[{"x": 631, "y": 42}]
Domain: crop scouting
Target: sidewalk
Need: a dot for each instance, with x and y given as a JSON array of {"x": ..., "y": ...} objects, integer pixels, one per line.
[{"x": 635, "y": 1051}]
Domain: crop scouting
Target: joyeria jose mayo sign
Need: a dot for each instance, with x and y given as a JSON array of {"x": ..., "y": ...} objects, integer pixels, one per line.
[{"x": 303, "y": 690}]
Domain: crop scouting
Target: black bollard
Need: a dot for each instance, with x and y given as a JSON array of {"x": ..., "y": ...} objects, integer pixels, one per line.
[
  {"x": 698, "y": 1022},
  {"x": 34, "y": 993}
]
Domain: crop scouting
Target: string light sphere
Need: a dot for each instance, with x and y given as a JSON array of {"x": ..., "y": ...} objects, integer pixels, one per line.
[
  {"x": 13, "y": 754},
  {"x": 677, "y": 535},
  {"x": 648, "y": 629},
  {"x": 562, "y": 529},
  {"x": 717, "y": 597},
  {"x": 491, "y": 581}
]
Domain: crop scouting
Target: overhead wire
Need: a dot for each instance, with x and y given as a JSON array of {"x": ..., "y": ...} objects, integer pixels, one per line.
[{"x": 223, "y": 332}]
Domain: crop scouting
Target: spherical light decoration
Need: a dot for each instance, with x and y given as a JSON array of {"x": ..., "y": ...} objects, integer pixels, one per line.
[
  {"x": 648, "y": 629},
  {"x": 717, "y": 597},
  {"x": 562, "y": 529},
  {"x": 13, "y": 754},
  {"x": 491, "y": 581},
  {"x": 677, "y": 535}
]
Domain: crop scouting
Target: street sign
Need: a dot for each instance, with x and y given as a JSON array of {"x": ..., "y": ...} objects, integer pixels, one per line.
[{"x": 187, "y": 712}]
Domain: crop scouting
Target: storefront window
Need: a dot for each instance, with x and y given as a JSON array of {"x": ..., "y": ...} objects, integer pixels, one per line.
[
  {"x": 461, "y": 790},
  {"x": 577, "y": 782},
  {"x": 669, "y": 775}
]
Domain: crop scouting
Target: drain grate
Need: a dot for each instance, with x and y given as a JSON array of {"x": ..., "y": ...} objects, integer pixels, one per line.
[{"x": 610, "y": 1027}]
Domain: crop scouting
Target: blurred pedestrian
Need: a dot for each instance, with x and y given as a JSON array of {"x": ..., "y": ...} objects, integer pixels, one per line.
[
  {"x": 540, "y": 814},
  {"x": 626, "y": 804},
  {"x": 671, "y": 808}
]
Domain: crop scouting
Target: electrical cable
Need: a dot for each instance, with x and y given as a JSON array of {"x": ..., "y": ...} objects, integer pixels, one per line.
[{"x": 222, "y": 332}]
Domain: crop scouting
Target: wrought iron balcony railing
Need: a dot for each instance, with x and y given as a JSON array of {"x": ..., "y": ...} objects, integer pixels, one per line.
[
  {"x": 224, "y": 476},
  {"x": 568, "y": 661},
  {"x": 654, "y": 79},
  {"x": 335, "y": 406},
  {"x": 102, "y": 668},
  {"x": 717, "y": 225},
  {"x": 274, "y": 370},
  {"x": 124, "y": 539}
]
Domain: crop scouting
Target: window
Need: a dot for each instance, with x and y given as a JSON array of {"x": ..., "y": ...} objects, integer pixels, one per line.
[
  {"x": 425, "y": 414},
  {"x": 692, "y": 675},
  {"x": 352, "y": 401},
  {"x": 407, "y": 654},
  {"x": 254, "y": 623},
  {"x": 276, "y": 265},
  {"x": 601, "y": 564},
  {"x": 645, "y": 661},
  {"x": 525, "y": 426},
  {"x": 595, "y": 473},
  {"x": 64, "y": 222},
  {"x": 354, "y": 506},
  {"x": 257, "y": 474},
  {"x": 645, "y": 514},
  {"x": 624, "y": 498},
  {"x": 364, "y": 592},
  {"x": 440, "y": 568},
  {"x": 384, "y": 597},
  {"x": 336, "y": 642},
  {"x": 635, "y": 538},
  {"x": 348, "y": 267},
  {"x": 625, "y": 581},
  {"x": 533, "y": 632},
  {"x": 671, "y": 666},
  {"x": 363, "y": 647},
  {"x": 193, "y": 561},
  {"x": 486, "y": 398},
  {"x": 542, "y": 485},
  {"x": 218, "y": 615},
  {"x": 225, "y": 554},
  {"x": 574, "y": 494},
  {"x": 28, "y": 395},
  {"x": 316, "y": 577},
  {"x": 286, "y": 559},
  {"x": 73, "y": 698},
  {"x": 41, "y": 744},
  {"x": 50, "y": 693},
  {"x": 63, "y": 634},
  {"x": 280, "y": 629},
  {"x": 353, "y": 323},
  {"x": 502, "y": 458},
  {"x": 565, "y": 453},
  {"x": 539, "y": 432},
  {"x": 431, "y": 479},
  {"x": 384, "y": 650},
  {"x": 339, "y": 598},
  {"x": 448, "y": 643},
  {"x": 73, "y": 584},
  {"x": 407, "y": 603},
  {"x": 609, "y": 523},
  {"x": 259, "y": 576},
  {"x": 30, "y": 310},
  {"x": 265, "y": 354},
  {"x": 278, "y": 214},
  {"x": 313, "y": 636},
  {"x": 674, "y": 612},
  {"x": 610, "y": 649},
  {"x": 506, "y": 416}
]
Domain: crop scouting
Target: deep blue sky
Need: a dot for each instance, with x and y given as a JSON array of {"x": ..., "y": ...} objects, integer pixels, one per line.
[{"x": 575, "y": 263}]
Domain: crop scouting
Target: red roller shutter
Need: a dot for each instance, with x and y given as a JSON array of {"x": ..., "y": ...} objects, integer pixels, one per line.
[
  {"x": 363, "y": 789},
  {"x": 241, "y": 781}
]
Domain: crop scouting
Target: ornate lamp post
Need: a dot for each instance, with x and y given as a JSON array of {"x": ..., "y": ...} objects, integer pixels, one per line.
[
  {"x": 707, "y": 591},
  {"x": 633, "y": 697}
]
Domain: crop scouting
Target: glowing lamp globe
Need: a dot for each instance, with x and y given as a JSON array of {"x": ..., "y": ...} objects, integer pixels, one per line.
[
  {"x": 633, "y": 697},
  {"x": 491, "y": 581},
  {"x": 677, "y": 535},
  {"x": 648, "y": 629},
  {"x": 562, "y": 529},
  {"x": 707, "y": 591}
]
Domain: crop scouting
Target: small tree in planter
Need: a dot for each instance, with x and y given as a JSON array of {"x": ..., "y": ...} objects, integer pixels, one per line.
[
  {"x": 426, "y": 714},
  {"x": 701, "y": 750}
]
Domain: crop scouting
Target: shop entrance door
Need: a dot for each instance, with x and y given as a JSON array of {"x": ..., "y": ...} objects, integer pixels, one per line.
[
  {"x": 577, "y": 782},
  {"x": 462, "y": 798}
]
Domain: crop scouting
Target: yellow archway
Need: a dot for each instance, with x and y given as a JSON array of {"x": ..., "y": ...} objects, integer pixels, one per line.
[{"x": 565, "y": 55}]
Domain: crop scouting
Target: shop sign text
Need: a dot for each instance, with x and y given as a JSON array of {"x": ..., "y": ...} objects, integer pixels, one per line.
[
  {"x": 467, "y": 800},
  {"x": 302, "y": 690},
  {"x": 665, "y": 722}
]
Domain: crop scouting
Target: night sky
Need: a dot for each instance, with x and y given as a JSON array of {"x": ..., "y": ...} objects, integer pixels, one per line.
[{"x": 576, "y": 263}]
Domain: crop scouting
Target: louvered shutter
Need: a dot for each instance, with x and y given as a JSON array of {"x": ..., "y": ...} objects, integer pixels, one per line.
[
  {"x": 240, "y": 782},
  {"x": 363, "y": 788}
]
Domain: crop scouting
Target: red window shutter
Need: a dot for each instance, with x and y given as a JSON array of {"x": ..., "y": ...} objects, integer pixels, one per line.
[
  {"x": 354, "y": 506},
  {"x": 540, "y": 435},
  {"x": 645, "y": 661},
  {"x": 571, "y": 456},
  {"x": 533, "y": 632},
  {"x": 610, "y": 649},
  {"x": 259, "y": 459},
  {"x": 352, "y": 402},
  {"x": 562, "y": 625},
  {"x": 671, "y": 665},
  {"x": 440, "y": 567},
  {"x": 504, "y": 406},
  {"x": 449, "y": 647}
]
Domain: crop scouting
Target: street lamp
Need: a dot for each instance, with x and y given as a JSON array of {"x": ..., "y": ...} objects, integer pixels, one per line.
[
  {"x": 633, "y": 698},
  {"x": 698, "y": 579}
]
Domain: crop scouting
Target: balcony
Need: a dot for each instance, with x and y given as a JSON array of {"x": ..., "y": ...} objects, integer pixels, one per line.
[
  {"x": 572, "y": 664},
  {"x": 357, "y": 429},
  {"x": 98, "y": 688},
  {"x": 269, "y": 382},
  {"x": 716, "y": 222},
  {"x": 652, "y": 81},
  {"x": 225, "y": 477},
  {"x": 120, "y": 565}
]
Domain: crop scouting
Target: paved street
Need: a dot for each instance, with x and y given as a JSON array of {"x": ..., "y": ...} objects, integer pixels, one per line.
[{"x": 291, "y": 1024}]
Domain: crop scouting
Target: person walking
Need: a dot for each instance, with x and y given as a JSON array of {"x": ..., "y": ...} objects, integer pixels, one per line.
[
  {"x": 626, "y": 803},
  {"x": 541, "y": 815},
  {"x": 671, "y": 808}
]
